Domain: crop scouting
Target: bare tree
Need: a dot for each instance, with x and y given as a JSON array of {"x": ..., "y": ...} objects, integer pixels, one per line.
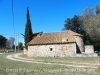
[
  {"x": 98, "y": 9},
  {"x": 12, "y": 39},
  {"x": 10, "y": 42}
]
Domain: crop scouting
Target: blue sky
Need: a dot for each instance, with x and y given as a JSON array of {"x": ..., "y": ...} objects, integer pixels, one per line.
[{"x": 45, "y": 15}]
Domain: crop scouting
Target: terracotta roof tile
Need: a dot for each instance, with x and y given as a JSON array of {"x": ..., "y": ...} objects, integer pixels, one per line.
[{"x": 54, "y": 37}]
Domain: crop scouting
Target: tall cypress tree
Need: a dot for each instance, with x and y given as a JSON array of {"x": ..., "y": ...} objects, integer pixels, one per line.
[{"x": 28, "y": 30}]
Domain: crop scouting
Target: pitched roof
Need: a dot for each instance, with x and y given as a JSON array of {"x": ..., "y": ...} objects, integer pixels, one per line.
[{"x": 54, "y": 38}]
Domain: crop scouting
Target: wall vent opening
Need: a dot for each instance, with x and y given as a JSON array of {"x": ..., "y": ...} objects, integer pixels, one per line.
[{"x": 51, "y": 49}]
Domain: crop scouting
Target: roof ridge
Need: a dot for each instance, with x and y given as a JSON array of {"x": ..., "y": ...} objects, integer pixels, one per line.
[{"x": 57, "y": 31}]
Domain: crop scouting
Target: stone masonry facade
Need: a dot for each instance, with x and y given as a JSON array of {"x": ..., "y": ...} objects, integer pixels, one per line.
[
  {"x": 61, "y": 50},
  {"x": 59, "y": 44}
]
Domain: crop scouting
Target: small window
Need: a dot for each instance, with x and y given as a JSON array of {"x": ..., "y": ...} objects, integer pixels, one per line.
[{"x": 51, "y": 49}]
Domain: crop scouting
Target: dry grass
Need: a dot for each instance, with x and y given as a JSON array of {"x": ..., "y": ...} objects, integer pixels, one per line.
[
  {"x": 10, "y": 67},
  {"x": 85, "y": 60}
]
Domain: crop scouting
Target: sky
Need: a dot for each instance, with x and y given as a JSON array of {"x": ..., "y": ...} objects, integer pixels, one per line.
[{"x": 45, "y": 15}]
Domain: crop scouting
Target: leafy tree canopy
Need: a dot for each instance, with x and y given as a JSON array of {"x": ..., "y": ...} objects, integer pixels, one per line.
[
  {"x": 74, "y": 24},
  {"x": 2, "y": 41}
]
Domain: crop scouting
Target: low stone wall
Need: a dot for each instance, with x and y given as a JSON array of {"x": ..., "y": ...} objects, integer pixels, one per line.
[
  {"x": 89, "y": 49},
  {"x": 87, "y": 55},
  {"x": 89, "y": 52},
  {"x": 25, "y": 51}
]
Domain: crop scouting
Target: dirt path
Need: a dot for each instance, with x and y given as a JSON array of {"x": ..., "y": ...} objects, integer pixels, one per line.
[{"x": 16, "y": 57}]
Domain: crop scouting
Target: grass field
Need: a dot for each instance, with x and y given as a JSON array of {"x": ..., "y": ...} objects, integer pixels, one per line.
[
  {"x": 91, "y": 60},
  {"x": 10, "y": 67}
]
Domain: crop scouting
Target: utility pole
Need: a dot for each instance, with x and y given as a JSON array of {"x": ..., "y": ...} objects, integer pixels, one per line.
[
  {"x": 13, "y": 25},
  {"x": 15, "y": 42},
  {"x": 23, "y": 39},
  {"x": 18, "y": 42}
]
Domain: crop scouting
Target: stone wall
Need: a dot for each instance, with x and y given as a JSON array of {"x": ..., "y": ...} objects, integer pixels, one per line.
[
  {"x": 80, "y": 43},
  {"x": 60, "y": 50},
  {"x": 89, "y": 52},
  {"x": 87, "y": 55},
  {"x": 89, "y": 49}
]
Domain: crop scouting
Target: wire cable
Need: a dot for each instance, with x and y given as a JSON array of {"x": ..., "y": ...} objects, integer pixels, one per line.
[
  {"x": 13, "y": 24},
  {"x": 13, "y": 17}
]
